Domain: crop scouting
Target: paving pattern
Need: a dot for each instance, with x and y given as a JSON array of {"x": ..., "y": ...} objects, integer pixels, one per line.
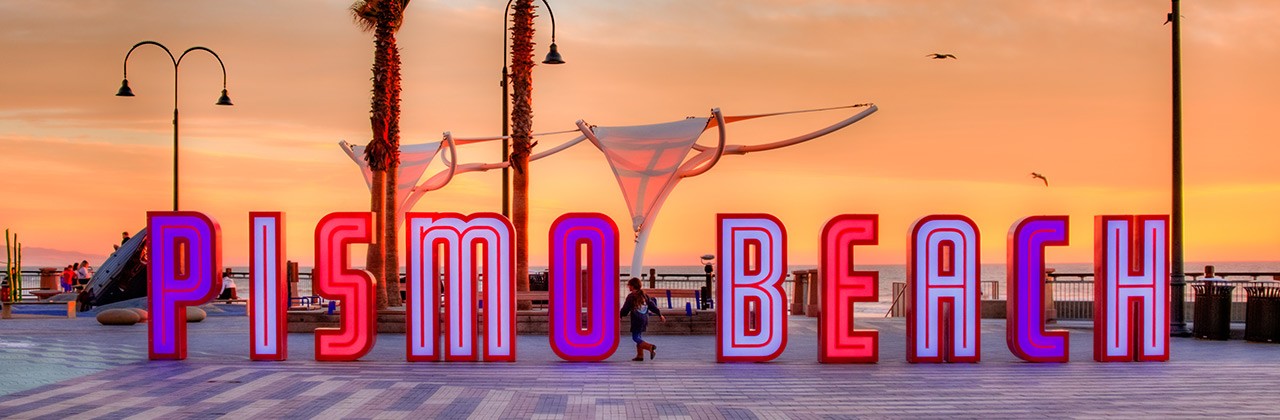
[{"x": 106, "y": 376}]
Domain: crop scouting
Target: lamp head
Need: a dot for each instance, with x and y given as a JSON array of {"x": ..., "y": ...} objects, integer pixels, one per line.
[
  {"x": 224, "y": 100},
  {"x": 124, "y": 89},
  {"x": 553, "y": 57}
]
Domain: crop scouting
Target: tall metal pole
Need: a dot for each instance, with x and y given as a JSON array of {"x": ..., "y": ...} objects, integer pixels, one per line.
[
  {"x": 506, "y": 99},
  {"x": 1178, "y": 280},
  {"x": 506, "y": 137},
  {"x": 126, "y": 91},
  {"x": 175, "y": 137}
]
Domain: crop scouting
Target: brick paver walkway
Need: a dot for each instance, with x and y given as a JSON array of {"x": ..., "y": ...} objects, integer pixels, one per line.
[{"x": 78, "y": 369}]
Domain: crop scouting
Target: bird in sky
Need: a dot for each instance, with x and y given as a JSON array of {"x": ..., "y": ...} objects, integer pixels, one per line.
[
  {"x": 1040, "y": 177},
  {"x": 940, "y": 56}
]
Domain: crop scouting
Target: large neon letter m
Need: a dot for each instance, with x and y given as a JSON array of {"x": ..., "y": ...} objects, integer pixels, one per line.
[{"x": 460, "y": 248}]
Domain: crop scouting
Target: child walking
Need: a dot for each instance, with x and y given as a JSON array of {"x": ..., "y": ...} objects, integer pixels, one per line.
[{"x": 639, "y": 306}]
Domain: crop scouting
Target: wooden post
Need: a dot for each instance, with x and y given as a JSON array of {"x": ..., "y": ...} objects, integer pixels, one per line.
[
  {"x": 1050, "y": 308},
  {"x": 814, "y": 294},
  {"x": 292, "y": 274},
  {"x": 798, "y": 292},
  {"x": 653, "y": 278}
]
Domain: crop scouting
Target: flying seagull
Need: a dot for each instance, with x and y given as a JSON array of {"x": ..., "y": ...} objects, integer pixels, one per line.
[
  {"x": 1040, "y": 177},
  {"x": 938, "y": 56}
]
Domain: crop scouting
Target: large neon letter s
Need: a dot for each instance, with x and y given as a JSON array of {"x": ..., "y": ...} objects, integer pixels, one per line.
[
  {"x": 942, "y": 277},
  {"x": 446, "y": 244},
  {"x": 268, "y": 290},
  {"x": 186, "y": 258},
  {"x": 838, "y": 341},
  {"x": 751, "y": 322},
  {"x": 1131, "y": 288},
  {"x": 598, "y": 234},
  {"x": 333, "y": 279},
  {"x": 1025, "y": 332}
]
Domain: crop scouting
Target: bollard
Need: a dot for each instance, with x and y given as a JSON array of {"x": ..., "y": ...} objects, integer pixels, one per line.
[
  {"x": 6, "y": 312},
  {"x": 333, "y": 306},
  {"x": 71, "y": 309}
]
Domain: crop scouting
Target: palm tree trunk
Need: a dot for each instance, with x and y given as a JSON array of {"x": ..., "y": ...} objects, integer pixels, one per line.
[
  {"x": 522, "y": 131},
  {"x": 374, "y": 258},
  {"x": 391, "y": 242},
  {"x": 391, "y": 264},
  {"x": 380, "y": 152}
]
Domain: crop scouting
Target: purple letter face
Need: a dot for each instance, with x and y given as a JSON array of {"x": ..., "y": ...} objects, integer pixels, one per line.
[
  {"x": 573, "y": 296},
  {"x": 1025, "y": 331},
  {"x": 1131, "y": 288},
  {"x": 185, "y": 258}
]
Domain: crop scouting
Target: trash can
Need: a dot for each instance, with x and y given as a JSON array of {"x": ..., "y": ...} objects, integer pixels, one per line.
[
  {"x": 1213, "y": 311},
  {"x": 1262, "y": 314}
]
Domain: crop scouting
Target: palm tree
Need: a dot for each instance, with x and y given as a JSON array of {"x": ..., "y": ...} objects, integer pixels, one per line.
[
  {"x": 522, "y": 131},
  {"x": 383, "y": 18}
]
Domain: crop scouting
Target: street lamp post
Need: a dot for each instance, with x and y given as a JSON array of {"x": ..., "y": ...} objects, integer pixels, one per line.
[
  {"x": 553, "y": 57},
  {"x": 1178, "y": 280},
  {"x": 223, "y": 100}
]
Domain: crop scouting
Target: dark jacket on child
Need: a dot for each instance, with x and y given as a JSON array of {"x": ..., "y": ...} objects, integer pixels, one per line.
[{"x": 640, "y": 316}]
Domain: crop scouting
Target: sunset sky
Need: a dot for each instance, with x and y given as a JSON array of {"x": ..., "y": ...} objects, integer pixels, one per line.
[{"x": 1076, "y": 90}]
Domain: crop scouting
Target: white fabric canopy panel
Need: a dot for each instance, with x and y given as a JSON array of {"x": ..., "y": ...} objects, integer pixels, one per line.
[
  {"x": 649, "y": 160},
  {"x": 414, "y": 159}
]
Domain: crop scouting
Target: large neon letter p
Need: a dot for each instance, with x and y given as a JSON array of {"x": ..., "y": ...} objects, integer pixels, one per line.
[{"x": 186, "y": 256}]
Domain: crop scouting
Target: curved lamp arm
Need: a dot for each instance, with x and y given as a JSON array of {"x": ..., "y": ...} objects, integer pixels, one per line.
[
  {"x": 506, "y": 17},
  {"x": 215, "y": 55},
  {"x": 166, "y": 51}
]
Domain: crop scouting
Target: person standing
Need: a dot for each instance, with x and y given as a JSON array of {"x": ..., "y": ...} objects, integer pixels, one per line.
[
  {"x": 68, "y": 279},
  {"x": 82, "y": 273},
  {"x": 639, "y": 305}
]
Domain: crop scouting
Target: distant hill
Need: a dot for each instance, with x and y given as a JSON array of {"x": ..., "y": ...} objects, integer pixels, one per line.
[{"x": 36, "y": 257}]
